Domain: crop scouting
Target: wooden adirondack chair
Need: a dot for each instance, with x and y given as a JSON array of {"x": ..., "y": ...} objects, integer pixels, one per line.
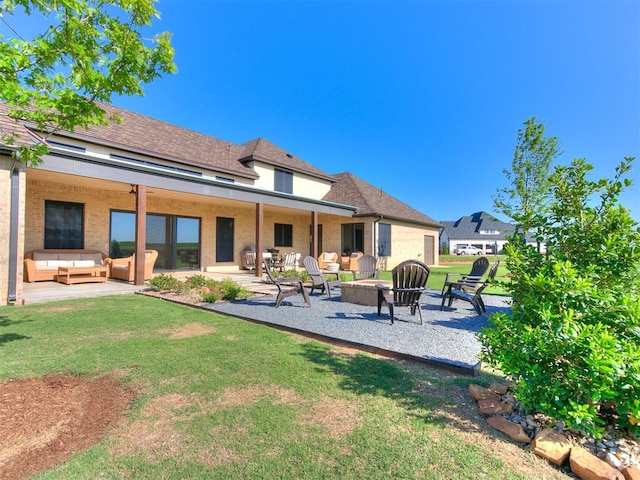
[
  {"x": 478, "y": 269},
  {"x": 470, "y": 292},
  {"x": 367, "y": 268},
  {"x": 287, "y": 286},
  {"x": 318, "y": 277},
  {"x": 409, "y": 281}
]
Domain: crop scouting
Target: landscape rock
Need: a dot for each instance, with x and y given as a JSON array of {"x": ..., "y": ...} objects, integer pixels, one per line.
[
  {"x": 590, "y": 467},
  {"x": 491, "y": 407},
  {"x": 631, "y": 472},
  {"x": 481, "y": 393},
  {"x": 551, "y": 445},
  {"x": 513, "y": 430},
  {"x": 499, "y": 388}
]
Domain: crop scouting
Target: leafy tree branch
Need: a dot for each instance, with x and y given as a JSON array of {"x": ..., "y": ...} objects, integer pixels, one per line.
[{"x": 92, "y": 50}]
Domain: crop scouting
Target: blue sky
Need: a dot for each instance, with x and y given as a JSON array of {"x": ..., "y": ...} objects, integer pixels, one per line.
[{"x": 420, "y": 98}]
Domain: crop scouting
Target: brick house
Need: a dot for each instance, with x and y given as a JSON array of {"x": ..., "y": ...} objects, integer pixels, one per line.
[{"x": 198, "y": 200}]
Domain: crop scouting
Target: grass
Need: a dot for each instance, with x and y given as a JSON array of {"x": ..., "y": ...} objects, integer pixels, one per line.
[
  {"x": 240, "y": 400},
  {"x": 459, "y": 264}
]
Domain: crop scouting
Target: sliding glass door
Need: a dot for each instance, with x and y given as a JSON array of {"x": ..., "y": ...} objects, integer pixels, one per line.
[{"x": 177, "y": 239}]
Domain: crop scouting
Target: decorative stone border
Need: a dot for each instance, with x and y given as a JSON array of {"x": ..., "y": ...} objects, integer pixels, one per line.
[{"x": 498, "y": 403}]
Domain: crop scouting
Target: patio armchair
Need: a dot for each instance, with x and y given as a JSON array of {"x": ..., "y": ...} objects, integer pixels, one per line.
[
  {"x": 290, "y": 261},
  {"x": 470, "y": 291},
  {"x": 287, "y": 286},
  {"x": 318, "y": 277},
  {"x": 326, "y": 258},
  {"x": 350, "y": 262},
  {"x": 367, "y": 268},
  {"x": 478, "y": 269},
  {"x": 249, "y": 260},
  {"x": 409, "y": 281},
  {"x": 125, "y": 268}
]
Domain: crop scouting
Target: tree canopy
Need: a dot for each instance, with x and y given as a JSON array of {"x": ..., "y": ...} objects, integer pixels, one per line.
[
  {"x": 91, "y": 50},
  {"x": 529, "y": 176}
]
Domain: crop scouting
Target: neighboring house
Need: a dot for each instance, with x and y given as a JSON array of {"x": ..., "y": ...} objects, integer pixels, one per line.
[
  {"x": 200, "y": 201},
  {"x": 480, "y": 230}
]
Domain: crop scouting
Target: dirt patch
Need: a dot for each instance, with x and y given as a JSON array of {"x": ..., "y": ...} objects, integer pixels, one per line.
[
  {"x": 337, "y": 417},
  {"x": 44, "y": 421}
]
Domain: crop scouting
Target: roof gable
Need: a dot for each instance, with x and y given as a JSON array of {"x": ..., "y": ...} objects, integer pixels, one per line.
[
  {"x": 470, "y": 227},
  {"x": 263, "y": 150},
  {"x": 373, "y": 201}
]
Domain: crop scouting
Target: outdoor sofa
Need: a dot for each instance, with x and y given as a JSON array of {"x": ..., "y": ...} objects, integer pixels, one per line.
[{"x": 43, "y": 264}]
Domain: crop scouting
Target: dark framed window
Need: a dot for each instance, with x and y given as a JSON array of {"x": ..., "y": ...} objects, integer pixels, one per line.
[
  {"x": 283, "y": 181},
  {"x": 352, "y": 238},
  {"x": 283, "y": 235},
  {"x": 63, "y": 224},
  {"x": 384, "y": 240},
  {"x": 177, "y": 239}
]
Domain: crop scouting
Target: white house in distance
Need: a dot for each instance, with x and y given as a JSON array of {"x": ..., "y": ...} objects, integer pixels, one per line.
[{"x": 480, "y": 229}]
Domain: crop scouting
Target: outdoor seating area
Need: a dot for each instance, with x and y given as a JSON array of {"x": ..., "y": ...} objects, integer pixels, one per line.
[
  {"x": 44, "y": 264},
  {"x": 443, "y": 339}
]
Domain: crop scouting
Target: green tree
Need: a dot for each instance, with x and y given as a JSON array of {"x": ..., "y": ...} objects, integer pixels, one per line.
[
  {"x": 93, "y": 49},
  {"x": 572, "y": 340},
  {"x": 529, "y": 176}
]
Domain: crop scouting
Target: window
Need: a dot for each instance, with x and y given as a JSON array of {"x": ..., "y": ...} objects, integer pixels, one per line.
[
  {"x": 283, "y": 181},
  {"x": 63, "y": 224},
  {"x": 177, "y": 239},
  {"x": 352, "y": 238},
  {"x": 283, "y": 235},
  {"x": 384, "y": 240},
  {"x": 66, "y": 146}
]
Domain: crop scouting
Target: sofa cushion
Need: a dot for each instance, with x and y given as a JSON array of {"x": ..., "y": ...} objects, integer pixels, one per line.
[
  {"x": 59, "y": 263},
  {"x": 96, "y": 258},
  {"x": 45, "y": 256},
  {"x": 84, "y": 263},
  {"x": 40, "y": 264},
  {"x": 69, "y": 256}
]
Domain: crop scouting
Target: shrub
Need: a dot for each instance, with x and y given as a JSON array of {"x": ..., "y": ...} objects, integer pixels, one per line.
[
  {"x": 165, "y": 283},
  {"x": 302, "y": 274},
  {"x": 572, "y": 341},
  {"x": 231, "y": 290},
  {"x": 211, "y": 296}
]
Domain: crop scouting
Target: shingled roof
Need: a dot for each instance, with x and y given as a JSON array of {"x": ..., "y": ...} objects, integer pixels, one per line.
[
  {"x": 149, "y": 136},
  {"x": 373, "y": 201},
  {"x": 10, "y": 128},
  {"x": 263, "y": 150},
  {"x": 470, "y": 226}
]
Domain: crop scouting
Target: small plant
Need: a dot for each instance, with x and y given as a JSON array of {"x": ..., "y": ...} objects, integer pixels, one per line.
[
  {"x": 231, "y": 290},
  {"x": 165, "y": 283},
  {"x": 198, "y": 281},
  {"x": 211, "y": 296}
]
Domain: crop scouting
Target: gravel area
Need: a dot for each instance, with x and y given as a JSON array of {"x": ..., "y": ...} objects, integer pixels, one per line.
[{"x": 446, "y": 338}]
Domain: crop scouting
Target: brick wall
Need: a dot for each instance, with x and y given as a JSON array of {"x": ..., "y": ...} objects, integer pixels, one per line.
[{"x": 6, "y": 165}]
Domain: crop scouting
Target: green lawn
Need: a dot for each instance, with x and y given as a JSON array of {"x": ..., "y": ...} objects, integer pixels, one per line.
[
  {"x": 242, "y": 400},
  {"x": 462, "y": 265}
]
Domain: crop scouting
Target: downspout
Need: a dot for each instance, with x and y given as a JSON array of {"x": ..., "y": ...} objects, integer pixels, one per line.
[{"x": 13, "y": 231}]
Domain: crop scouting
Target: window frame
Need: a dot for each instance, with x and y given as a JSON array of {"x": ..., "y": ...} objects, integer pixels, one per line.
[
  {"x": 383, "y": 247},
  {"x": 64, "y": 242},
  {"x": 282, "y": 235},
  {"x": 282, "y": 180}
]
